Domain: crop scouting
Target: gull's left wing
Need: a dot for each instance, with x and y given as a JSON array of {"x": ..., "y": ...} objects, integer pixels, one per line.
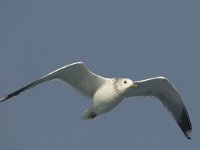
[{"x": 161, "y": 88}]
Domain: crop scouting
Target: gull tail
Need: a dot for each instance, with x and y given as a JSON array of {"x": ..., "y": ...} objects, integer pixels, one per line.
[{"x": 87, "y": 115}]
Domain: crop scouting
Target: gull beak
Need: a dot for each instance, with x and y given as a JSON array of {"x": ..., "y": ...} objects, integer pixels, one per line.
[{"x": 135, "y": 85}]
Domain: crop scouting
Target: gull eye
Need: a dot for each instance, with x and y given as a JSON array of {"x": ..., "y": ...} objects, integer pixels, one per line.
[{"x": 125, "y": 82}]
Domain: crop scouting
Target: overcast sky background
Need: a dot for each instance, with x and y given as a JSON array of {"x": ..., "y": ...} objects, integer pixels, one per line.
[{"x": 137, "y": 39}]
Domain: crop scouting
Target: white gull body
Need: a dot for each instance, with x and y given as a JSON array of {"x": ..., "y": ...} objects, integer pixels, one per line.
[{"x": 106, "y": 93}]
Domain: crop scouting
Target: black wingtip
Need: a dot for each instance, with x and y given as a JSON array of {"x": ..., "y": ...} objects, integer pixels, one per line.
[
  {"x": 18, "y": 91},
  {"x": 7, "y": 97},
  {"x": 3, "y": 99},
  {"x": 11, "y": 95},
  {"x": 185, "y": 124},
  {"x": 188, "y": 134}
]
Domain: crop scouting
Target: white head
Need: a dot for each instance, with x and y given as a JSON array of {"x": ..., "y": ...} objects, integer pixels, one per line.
[{"x": 123, "y": 84}]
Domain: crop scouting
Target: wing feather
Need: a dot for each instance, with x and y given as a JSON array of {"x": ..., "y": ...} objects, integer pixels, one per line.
[
  {"x": 76, "y": 75},
  {"x": 81, "y": 78}
]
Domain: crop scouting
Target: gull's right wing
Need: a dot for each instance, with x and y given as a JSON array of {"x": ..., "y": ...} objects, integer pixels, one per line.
[{"x": 76, "y": 74}]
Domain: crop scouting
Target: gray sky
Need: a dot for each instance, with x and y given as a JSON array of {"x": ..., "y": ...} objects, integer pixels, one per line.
[{"x": 137, "y": 39}]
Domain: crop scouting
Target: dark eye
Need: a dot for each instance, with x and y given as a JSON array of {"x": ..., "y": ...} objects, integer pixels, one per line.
[{"x": 125, "y": 82}]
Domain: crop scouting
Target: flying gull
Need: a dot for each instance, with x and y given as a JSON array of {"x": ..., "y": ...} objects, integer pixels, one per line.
[{"x": 106, "y": 93}]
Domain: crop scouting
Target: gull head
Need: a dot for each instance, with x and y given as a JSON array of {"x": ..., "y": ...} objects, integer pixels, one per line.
[{"x": 123, "y": 84}]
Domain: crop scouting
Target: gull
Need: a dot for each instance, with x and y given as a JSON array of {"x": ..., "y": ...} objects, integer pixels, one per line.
[{"x": 106, "y": 93}]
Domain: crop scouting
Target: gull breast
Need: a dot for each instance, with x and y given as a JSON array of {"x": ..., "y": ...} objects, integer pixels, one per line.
[{"x": 105, "y": 99}]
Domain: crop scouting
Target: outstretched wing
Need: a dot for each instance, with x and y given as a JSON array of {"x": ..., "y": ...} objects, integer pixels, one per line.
[
  {"x": 76, "y": 74},
  {"x": 161, "y": 88}
]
